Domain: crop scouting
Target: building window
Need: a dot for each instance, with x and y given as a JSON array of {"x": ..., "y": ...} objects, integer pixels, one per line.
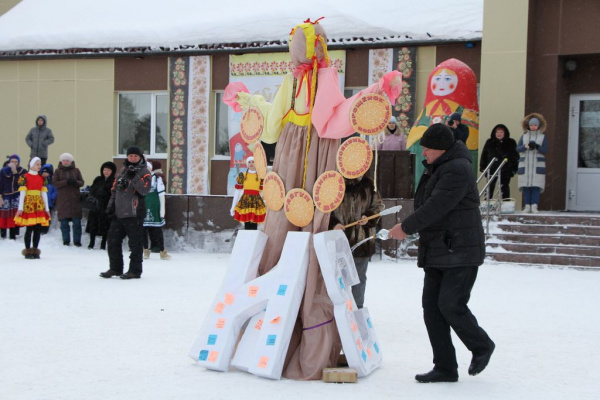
[
  {"x": 144, "y": 122},
  {"x": 221, "y": 129}
]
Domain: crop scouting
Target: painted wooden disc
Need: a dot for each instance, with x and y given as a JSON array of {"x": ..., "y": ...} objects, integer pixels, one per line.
[
  {"x": 328, "y": 191},
  {"x": 260, "y": 160},
  {"x": 273, "y": 191},
  {"x": 370, "y": 113},
  {"x": 354, "y": 158},
  {"x": 299, "y": 207},
  {"x": 252, "y": 125}
]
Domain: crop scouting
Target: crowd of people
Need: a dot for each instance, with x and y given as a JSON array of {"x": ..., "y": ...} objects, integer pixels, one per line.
[{"x": 129, "y": 202}]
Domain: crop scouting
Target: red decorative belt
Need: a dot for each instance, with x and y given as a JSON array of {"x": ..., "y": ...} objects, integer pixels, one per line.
[{"x": 252, "y": 192}]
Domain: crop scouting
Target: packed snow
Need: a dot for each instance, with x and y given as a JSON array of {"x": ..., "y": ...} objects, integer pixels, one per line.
[
  {"x": 69, "y": 334},
  {"x": 65, "y": 24}
]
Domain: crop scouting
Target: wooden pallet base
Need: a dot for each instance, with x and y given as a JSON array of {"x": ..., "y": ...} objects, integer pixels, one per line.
[{"x": 340, "y": 375}]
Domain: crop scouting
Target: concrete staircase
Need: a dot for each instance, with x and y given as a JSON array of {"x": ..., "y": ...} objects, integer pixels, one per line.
[
  {"x": 552, "y": 238},
  {"x": 548, "y": 238}
]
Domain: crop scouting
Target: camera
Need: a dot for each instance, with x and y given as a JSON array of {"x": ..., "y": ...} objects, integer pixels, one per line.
[{"x": 122, "y": 183}]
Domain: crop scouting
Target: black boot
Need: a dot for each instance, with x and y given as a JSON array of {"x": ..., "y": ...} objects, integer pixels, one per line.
[
  {"x": 436, "y": 376},
  {"x": 130, "y": 275},
  {"x": 479, "y": 362},
  {"x": 110, "y": 273}
]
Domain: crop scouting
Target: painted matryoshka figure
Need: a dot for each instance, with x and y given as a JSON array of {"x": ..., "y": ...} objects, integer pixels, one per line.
[{"x": 452, "y": 88}]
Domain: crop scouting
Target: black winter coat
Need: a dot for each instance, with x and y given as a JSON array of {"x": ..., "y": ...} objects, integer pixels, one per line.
[
  {"x": 507, "y": 148},
  {"x": 447, "y": 215},
  {"x": 360, "y": 198},
  {"x": 98, "y": 221}
]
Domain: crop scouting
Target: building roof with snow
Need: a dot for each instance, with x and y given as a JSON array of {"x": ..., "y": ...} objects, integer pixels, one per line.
[{"x": 75, "y": 27}]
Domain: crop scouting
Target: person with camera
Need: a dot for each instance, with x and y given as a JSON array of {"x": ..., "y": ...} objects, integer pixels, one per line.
[
  {"x": 127, "y": 210},
  {"x": 533, "y": 147},
  {"x": 459, "y": 130}
]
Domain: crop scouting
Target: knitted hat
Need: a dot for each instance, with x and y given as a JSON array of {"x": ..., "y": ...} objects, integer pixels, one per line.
[
  {"x": 33, "y": 161},
  {"x": 437, "y": 137},
  {"x": 393, "y": 120},
  {"x": 249, "y": 159},
  {"x": 134, "y": 150},
  {"x": 534, "y": 121},
  {"x": 456, "y": 117},
  {"x": 47, "y": 168},
  {"x": 65, "y": 156},
  {"x": 15, "y": 156}
]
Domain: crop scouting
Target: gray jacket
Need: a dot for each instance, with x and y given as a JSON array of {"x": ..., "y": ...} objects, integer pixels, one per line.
[
  {"x": 127, "y": 194},
  {"x": 39, "y": 138}
]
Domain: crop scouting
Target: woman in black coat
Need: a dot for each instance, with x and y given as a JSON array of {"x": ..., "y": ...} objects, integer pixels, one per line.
[
  {"x": 98, "y": 221},
  {"x": 501, "y": 146}
]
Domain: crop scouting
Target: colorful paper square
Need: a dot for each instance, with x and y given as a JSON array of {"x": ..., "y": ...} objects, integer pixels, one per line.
[
  {"x": 282, "y": 289},
  {"x": 263, "y": 362},
  {"x": 271, "y": 339},
  {"x": 220, "y": 323},
  {"x": 203, "y": 355},
  {"x": 253, "y": 291},
  {"x": 212, "y": 340}
]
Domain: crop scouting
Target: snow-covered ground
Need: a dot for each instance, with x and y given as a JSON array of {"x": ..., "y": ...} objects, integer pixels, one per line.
[{"x": 68, "y": 334}]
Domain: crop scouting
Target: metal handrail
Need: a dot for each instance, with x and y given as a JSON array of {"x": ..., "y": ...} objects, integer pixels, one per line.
[
  {"x": 486, "y": 170},
  {"x": 486, "y": 191}
]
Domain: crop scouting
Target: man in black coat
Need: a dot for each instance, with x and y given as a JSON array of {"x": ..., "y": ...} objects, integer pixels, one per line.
[
  {"x": 451, "y": 249},
  {"x": 127, "y": 209}
]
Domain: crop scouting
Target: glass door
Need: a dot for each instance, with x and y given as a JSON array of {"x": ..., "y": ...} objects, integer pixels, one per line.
[{"x": 583, "y": 164}]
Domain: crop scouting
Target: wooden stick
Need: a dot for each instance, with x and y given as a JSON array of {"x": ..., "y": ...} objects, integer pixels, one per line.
[{"x": 363, "y": 219}]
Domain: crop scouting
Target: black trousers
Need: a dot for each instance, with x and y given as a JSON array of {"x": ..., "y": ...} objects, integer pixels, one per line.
[
  {"x": 504, "y": 186},
  {"x": 446, "y": 293},
  {"x": 134, "y": 230},
  {"x": 36, "y": 230},
  {"x": 157, "y": 240},
  {"x": 13, "y": 232}
]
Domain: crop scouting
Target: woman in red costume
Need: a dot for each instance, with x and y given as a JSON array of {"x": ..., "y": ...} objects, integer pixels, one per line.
[{"x": 33, "y": 210}]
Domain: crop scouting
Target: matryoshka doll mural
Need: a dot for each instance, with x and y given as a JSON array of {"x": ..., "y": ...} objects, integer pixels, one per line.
[{"x": 452, "y": 87}]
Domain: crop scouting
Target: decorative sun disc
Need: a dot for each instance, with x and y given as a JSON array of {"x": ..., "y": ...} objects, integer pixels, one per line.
[
  {"x": 354, "y": 158},
  {"x": 252, "y": 125},
  {"x": 370, "y": 113},
  {"x": 299, "y": 207},
  {"x": 260, "y": 160},
  {"x": 328, "y": 191},
  {"x": 273, "y": 191}
]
